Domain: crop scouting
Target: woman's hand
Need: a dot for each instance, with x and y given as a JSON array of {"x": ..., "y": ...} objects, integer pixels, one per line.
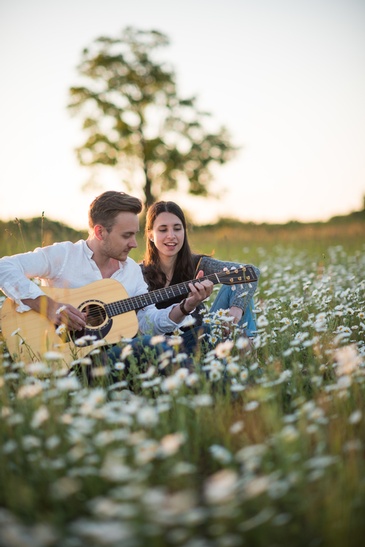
[
  {"x": 236, "y": 313},
  {"x": 199, "y": 291}
]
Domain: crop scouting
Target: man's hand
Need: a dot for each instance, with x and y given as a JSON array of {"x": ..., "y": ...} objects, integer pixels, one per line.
[{"x": 57, "y": 312}]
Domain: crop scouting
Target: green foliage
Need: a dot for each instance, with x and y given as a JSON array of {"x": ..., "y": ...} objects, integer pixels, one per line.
[
  {"x": 135, "y": 120},
  {"x": 21, "y": 235},
  {"x": 231, "y": 239}
]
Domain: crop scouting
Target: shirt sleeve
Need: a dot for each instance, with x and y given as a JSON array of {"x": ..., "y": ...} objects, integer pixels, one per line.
[
  {"x": 18, "y": 271},
  {"x": 150, "y": 319},
  {"x": 156, "y": 321},
  {"x": 242, "y": 293}
]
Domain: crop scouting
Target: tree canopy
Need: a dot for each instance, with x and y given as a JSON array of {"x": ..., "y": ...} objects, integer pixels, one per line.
[{"x": 134, "y": 119}]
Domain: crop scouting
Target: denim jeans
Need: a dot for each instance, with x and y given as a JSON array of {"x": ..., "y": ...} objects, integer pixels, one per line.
[
  {"x": 195, "y": 337},
  {"x": 224, "y": 300}
]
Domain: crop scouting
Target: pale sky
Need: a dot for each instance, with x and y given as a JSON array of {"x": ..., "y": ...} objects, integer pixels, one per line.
[{"x": 286, "y": 77}]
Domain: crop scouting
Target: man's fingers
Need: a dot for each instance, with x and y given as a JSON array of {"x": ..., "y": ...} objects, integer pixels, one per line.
[{"x": 70, "y": 316}]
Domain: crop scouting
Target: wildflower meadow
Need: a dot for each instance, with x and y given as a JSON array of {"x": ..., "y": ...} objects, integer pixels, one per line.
[{"x": 259, "y": 443}]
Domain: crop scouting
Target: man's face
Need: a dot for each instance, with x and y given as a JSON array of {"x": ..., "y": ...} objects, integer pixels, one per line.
[{"x": 122, "y": 238}]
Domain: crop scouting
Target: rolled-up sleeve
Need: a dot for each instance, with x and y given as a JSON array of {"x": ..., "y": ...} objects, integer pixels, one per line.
[
  {"x": 150, "y": 319},
  {"x": 19, "y": 273},
  {"x": 156, "y": 321}
]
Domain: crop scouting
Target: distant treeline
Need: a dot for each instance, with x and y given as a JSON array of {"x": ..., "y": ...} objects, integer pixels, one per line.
[
  {"x": 235, "y": 223},
  {"x": 20, "y": 235}
]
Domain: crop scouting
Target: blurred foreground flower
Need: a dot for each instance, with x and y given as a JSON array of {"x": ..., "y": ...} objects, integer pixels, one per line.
[
  {"x": 348, "y": 360},
  {"x": 171, "y": 443},
  {"x": 221, "y": 487},
  {"x": 29, "y": 391}
]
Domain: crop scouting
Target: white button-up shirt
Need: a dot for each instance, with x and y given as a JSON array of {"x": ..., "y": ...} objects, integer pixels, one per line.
[{"x": 71, "y": 265}]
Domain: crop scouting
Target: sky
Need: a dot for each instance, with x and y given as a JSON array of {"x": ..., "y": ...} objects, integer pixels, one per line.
[{"x": 286, "y": 77}]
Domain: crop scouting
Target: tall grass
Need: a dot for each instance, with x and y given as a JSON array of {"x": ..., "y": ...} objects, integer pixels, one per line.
[{"x": 258, "y": 446}]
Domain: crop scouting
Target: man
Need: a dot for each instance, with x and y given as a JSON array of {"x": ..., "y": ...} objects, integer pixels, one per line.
[{"x": 113, "y": 225}]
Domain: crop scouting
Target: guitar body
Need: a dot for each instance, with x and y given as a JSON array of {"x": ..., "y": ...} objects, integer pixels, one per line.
[{"x": 29, "y": 335}]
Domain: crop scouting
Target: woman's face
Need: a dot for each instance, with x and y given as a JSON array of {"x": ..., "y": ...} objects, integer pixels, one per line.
[{"x": 168, "y": 234}]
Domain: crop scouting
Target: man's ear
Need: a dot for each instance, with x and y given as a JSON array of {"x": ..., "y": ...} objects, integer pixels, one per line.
[{"x": 98, "y": 231}]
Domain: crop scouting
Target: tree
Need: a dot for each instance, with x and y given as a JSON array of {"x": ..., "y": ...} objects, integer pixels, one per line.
[{"x": 135, "y": 120}]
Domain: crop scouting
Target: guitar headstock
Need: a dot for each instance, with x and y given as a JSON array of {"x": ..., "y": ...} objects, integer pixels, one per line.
[{"x": 237, "y": 276}]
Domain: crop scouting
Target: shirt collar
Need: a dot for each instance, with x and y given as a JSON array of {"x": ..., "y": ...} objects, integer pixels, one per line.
[
  {"x": 90, "y": 254},
  {"x": 87, "y": 249}
]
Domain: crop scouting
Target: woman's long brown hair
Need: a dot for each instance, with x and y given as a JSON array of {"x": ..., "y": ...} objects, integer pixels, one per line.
[{"x": 185, "y": 263}]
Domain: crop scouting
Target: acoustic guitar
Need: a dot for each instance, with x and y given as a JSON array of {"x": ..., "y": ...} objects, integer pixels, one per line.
[{"x": 29, "y": 335}]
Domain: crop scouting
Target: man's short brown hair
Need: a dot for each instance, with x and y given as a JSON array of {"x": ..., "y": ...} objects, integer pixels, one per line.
[{"x": 104, "y": 209}]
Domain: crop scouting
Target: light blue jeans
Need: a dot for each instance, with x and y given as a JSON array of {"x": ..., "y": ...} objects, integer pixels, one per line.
[{"x": 224, "y": 300}]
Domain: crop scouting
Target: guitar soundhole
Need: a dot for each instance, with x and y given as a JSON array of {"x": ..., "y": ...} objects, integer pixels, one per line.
[{"x": 95, "y": 315}]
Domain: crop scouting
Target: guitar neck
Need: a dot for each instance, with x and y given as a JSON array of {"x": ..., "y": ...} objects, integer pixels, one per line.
[{"x": 166, "y": 293}]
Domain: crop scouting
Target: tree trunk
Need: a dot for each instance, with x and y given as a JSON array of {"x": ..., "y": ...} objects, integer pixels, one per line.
[{"x": 149, "y": 199}]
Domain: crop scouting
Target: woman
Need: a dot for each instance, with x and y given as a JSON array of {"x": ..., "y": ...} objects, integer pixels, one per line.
[{"x": 168, "y": 260}]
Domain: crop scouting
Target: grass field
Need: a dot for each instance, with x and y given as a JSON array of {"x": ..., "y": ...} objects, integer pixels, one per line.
[{"x": 260, "y": 446}]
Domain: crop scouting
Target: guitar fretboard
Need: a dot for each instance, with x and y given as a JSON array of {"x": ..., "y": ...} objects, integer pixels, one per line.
[{"x": 181, "y": 289}]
